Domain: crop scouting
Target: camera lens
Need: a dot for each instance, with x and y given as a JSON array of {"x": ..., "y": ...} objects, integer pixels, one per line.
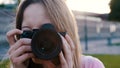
[{"x": 46, "y": 44}]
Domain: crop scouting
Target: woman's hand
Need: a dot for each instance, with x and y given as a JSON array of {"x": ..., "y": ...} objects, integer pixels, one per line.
[
  {"x": 19, "y": 51},
  {"x": 66, "y": 56}
]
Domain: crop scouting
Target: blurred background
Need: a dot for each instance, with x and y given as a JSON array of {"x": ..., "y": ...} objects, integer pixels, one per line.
[{"x": 98, "y": 23}]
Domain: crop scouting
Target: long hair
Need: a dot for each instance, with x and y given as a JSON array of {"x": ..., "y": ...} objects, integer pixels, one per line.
[{"x": 61, "y": 17}]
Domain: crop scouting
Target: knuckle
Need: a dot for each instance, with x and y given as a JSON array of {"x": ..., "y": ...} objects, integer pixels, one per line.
[
  {"x": 27, "y": 55},
  {"x": 23, "y": 48},
  {"x": 10, "y": 50},
  {"x": 63, "y": 63},
  {"x": 15, "y": 61},
  {"x": 73, "y": 48},
  {"x": 11, "y": 57},
  {"x": 21, "y": 41},
  {"x": 24, "y": 41},
  {"x": 8, "y": 34}
]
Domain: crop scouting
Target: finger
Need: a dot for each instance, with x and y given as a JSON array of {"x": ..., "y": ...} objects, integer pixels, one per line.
[
  {"x": 66, "y": 47},
  {"x": 22, "y": 50},
  {"x": 26, "y": 57},
  {"x": 67, "y": 51},
  {"x": 62, "y": 60},
  {"x": 70, "y": 42},
  {"x": 22, "y": 58},
  {"x": 72, "y": 46},
  {"x": 21, "y": 42},
  {"x": 65, "y": 43},
  {"x": 11, "y": 34}
]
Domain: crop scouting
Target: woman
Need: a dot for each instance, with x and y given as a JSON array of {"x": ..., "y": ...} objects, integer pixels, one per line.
[{"x": 32, "y": 14}]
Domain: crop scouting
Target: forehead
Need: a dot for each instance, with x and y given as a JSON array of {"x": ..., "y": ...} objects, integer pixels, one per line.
[
  {"x": 35, "y": 15},
  {"x": 35, "y": 10}
]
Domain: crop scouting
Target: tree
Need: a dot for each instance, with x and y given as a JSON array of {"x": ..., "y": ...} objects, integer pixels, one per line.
[
  {"x": 18, "y": 1},
  {"x": 2, "y": 5},
  {"x": 114, "y": 15}
]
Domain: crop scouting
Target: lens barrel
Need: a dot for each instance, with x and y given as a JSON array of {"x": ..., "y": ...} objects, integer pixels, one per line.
[{"x": 46, "y": 42}]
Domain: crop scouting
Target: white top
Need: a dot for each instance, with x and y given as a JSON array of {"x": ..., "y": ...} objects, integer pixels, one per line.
[{"x": 91, "y": 62}]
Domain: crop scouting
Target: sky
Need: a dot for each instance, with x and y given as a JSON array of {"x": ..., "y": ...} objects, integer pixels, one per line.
[
  {"x": 6, "y": 1},
  {"x": 95, "y": 6}
]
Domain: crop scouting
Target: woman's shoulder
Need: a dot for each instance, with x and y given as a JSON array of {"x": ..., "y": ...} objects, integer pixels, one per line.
[{"x": 91, "y": 62}]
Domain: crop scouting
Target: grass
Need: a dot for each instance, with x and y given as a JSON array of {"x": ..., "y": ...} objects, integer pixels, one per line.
[
  {"x": 110, "y": 61},
  {"x": 4, "y": 64}
]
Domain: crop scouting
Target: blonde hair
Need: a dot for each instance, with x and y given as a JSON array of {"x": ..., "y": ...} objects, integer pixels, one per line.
[{"x": 63, "y": 19}]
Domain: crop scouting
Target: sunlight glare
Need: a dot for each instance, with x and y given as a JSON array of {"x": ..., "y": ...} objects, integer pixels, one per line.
[
  {"x": 95, "y": 6},
  {"x": 7, "y": 1}
]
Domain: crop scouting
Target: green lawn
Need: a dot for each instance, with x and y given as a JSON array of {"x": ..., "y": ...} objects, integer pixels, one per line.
[
  {"x": 4, "y": 64},
  {"x": 110, "y": 61}
]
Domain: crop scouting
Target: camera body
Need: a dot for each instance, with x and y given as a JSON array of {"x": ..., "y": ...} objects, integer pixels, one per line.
[{"x": 46, "y": 42}]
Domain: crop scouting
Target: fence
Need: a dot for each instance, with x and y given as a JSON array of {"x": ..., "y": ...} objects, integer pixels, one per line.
[{"x": 91, "y": 28}]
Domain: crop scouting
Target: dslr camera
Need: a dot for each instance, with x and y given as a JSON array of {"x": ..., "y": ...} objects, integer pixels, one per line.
[{"x": 46, "y": 41}]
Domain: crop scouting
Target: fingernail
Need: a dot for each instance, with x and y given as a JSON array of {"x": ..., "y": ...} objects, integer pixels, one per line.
[{"x": 63, "y": 33}]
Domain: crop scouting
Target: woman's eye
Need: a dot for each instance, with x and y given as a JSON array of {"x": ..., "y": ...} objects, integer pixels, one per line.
[{"x": 26, "y": 28}]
